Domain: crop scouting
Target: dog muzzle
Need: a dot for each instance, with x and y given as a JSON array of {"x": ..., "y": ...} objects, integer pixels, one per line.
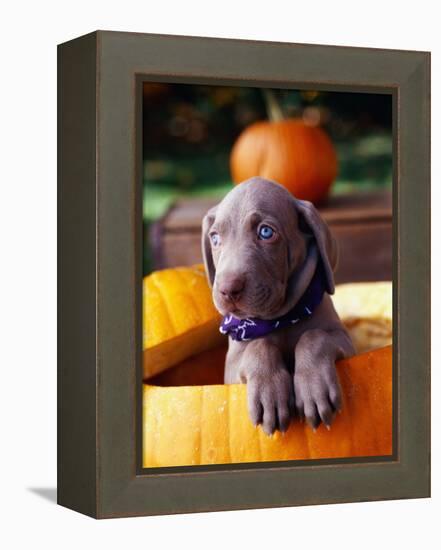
[{"x": 243, "y": 330}]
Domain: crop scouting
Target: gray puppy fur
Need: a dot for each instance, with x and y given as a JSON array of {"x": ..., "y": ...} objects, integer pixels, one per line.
[{"x": 291, "y": 370}]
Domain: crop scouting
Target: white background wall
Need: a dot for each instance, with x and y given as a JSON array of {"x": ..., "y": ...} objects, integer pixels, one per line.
[{"x": 29, "y": 34}]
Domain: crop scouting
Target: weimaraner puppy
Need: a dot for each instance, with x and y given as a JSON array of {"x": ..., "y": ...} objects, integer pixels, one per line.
[{"x": 270, "y": 260}]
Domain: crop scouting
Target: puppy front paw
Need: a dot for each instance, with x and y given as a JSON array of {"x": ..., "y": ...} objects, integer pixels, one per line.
[
  {"x": 271, "y": 400},
  {"x": 317, "y": 392}
]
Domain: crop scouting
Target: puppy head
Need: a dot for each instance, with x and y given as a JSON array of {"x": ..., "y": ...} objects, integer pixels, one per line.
[{"x": 261, "y": 246}]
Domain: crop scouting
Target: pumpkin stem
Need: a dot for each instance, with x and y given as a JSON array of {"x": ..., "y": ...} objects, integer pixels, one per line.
[{"x": 273, "y": 108}]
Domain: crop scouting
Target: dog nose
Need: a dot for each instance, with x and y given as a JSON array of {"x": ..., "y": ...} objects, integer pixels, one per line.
[{"x": 232, "y": 287}]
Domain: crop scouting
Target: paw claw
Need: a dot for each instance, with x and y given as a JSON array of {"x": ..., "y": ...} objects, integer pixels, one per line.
[{"x": 270, "y": 401}]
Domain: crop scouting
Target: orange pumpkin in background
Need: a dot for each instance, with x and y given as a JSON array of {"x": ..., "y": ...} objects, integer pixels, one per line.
[{"x": 300, "y": 157}]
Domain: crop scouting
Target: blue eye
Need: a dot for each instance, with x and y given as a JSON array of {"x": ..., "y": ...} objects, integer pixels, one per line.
[
  {"x": 265, "y": 232},
  {"x": 215, "y": 239}
]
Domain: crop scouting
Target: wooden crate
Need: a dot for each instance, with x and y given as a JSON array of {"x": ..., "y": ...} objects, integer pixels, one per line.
[{"x": 361, "y": 223}]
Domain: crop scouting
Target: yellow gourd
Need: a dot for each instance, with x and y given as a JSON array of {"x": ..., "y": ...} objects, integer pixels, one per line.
[{"x": 179, "y": 318}]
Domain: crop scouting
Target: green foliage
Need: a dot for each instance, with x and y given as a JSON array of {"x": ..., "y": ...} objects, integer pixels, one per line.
[{"x": 365, "y": 163}]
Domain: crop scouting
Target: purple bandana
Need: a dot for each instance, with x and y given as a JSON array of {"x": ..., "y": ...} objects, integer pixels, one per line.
[{"x": 242, "y": 330}]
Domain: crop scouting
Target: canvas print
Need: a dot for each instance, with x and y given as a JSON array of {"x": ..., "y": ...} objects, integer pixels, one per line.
[{"x": 267, "y": 275}]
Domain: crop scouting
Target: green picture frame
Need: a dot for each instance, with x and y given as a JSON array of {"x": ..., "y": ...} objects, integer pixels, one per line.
[{"x": 100, "y": 272}]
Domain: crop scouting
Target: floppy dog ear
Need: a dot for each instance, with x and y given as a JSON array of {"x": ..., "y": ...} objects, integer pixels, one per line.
[
  {"x": 207, "y": 256},
  {"x": 311, "y": 222}
]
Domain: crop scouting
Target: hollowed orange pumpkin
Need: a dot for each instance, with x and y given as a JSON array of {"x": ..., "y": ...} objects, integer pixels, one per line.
[{"x": 203, "y": 424}]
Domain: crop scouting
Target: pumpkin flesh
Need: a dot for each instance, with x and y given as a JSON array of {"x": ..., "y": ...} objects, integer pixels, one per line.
[{"x": 366, "y": 311}]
